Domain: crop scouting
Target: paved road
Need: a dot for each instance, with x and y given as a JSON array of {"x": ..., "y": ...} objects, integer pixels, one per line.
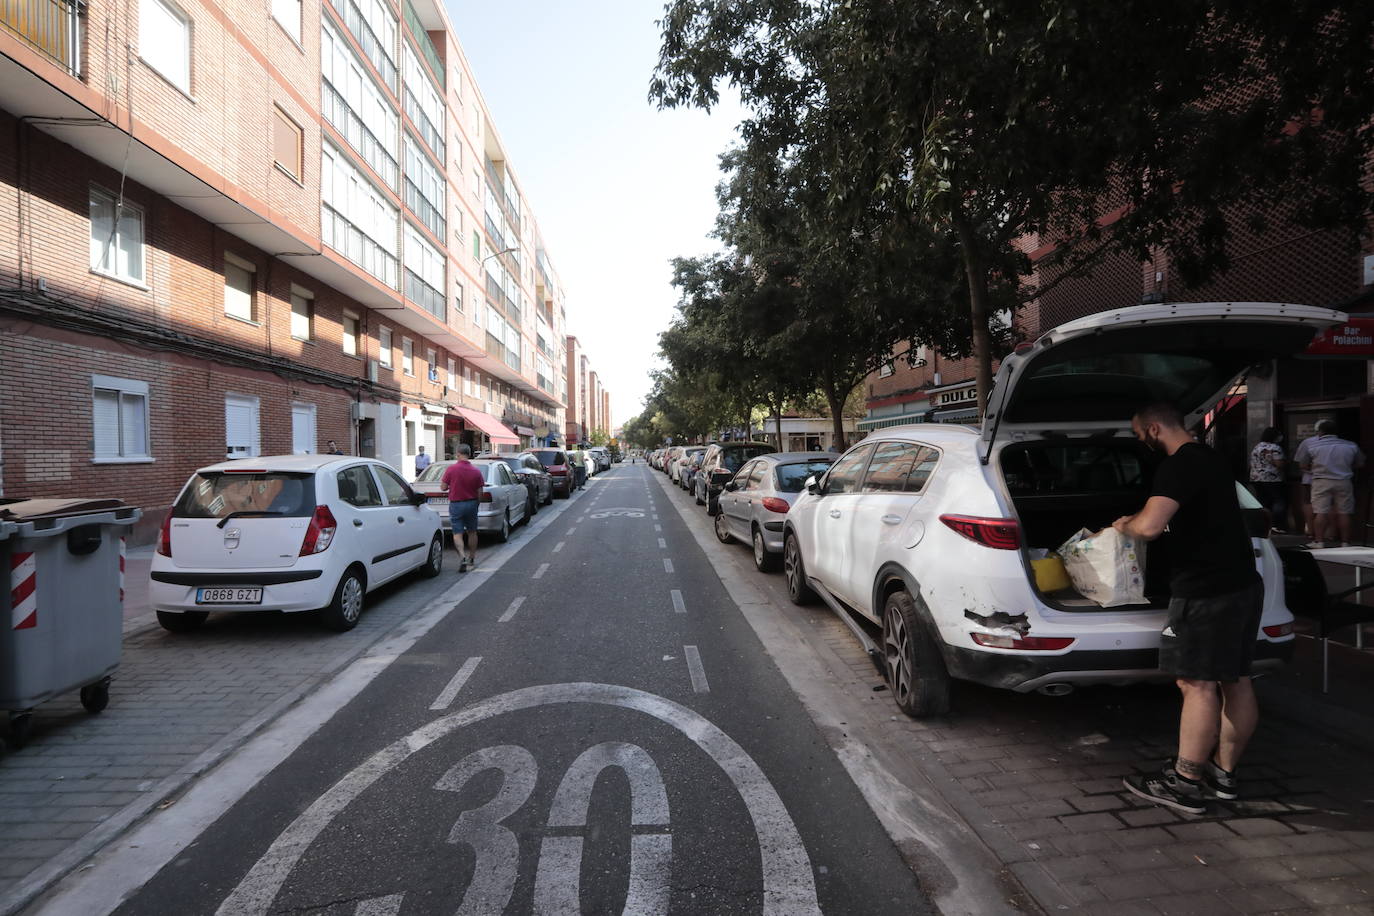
[{"x": 595, "y": 722}]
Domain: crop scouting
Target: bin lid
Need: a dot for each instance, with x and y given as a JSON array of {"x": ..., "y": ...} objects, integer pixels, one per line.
[{"x": 27, "y": 510}]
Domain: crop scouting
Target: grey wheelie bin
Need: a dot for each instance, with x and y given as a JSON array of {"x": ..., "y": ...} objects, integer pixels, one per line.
[{"x": 62, "y": 614}]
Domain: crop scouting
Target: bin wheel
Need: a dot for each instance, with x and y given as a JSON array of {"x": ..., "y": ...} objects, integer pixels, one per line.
[
  {"x": 95, "y": 697},
  {"x": 21, "y": 723},
  {"x": 183, "y": 621}
]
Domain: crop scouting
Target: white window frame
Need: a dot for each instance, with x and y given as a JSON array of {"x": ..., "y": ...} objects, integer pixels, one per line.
[
  {"x": 308, "y": 298},
  {"x": 122, "y": 388},
  {"x": 408, "y": 356},
  {"x": 452, "y": 375},
  {"x": 432, "y": 365},
  {"x": 304, "y": 408},
  {"x": 153, "y": 50},
  {"x": 232, "y": 260},
  {"x": 288, "y": 16},
  {"x": 385, "y": 347},
  {"x": 104, "y": 258},
  {"x": 254, "y": 445},
  {"x": 346, "y": 337}
]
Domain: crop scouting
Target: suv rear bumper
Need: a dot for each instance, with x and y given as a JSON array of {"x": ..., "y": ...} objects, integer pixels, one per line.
[{"x": 1024, "y": 673}]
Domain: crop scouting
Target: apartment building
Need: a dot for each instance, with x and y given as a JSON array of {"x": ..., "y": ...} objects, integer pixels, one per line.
[
  {"x": 252, "y": 227},
  {"x": 588, "y": 403}
]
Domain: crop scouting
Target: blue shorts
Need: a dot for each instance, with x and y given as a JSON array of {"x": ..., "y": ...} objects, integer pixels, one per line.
[{"x": 462, "y": 516}]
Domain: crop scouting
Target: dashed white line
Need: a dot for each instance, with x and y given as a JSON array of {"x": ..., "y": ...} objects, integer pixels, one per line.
[
  {"x": 678, "y": 604},
  {"x": 557, "y": 547},
  {"x": 658, "y": 527},
  {"x": 539, "y": 573},
  {"x": 571, "y": 530},
  {"x": 446, "y": 695},
  {"x": 695, "y": 669},
  {"x": 667, "y": 565},
  {"x": 663, "y": 545},
  {"x": 510, "y": 611}
]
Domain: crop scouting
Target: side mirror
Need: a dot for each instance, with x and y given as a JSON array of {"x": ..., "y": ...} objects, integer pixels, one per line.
[
  {"x": 731, "y": 486},
  {"x": 418, "y": 499},
  {"x": 813, "y": 486}
]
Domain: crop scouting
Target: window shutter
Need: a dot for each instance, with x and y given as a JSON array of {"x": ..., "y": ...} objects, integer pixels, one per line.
[
  {"x": 286, "y": 136},
  {"x": 105, "y": 423},
  {"x": 240, "y": 427},
  {"x": 303, "y": 429},
  {"x": 300, "y": 316},
  {"x": 238, "y": 291}
]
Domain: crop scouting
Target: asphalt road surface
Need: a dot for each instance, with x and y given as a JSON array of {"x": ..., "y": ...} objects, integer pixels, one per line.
[{"x": 594, "y": 729}]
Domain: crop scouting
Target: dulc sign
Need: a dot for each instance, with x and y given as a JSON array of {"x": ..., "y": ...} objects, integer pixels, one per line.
[
  {"x": 956, "y": 397},
  {"x": 1354, "y": 337}
]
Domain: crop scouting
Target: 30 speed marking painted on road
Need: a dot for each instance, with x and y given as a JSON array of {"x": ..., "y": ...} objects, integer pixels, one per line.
[{"x": 788, "y": 886}]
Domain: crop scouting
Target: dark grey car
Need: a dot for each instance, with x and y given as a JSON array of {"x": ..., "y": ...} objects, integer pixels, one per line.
[{"x": 756, "y": 500}]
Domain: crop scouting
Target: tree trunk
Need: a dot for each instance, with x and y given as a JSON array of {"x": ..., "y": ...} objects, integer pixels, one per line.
[
  {"x": 777, "y": 423},
  {"x": 978, "y": 305}
]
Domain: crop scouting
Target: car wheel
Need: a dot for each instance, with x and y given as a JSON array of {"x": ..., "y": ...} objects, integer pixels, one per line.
[
  {"x": 763, "y": 560},
  {"x": 343, "y": 612},
  {"x": 797, "y": 588},
  {"x": 712, "y": 506},
  {"x": 722, "y": 528},
  {"x": 548, "y": 500},
  {"x": 184, "y": 622},
  {"x": 435, "y": 564},
  {"x": 696, "y": 494},
  {"x": 916, "y": 672},
  {"x": 504, "y": 534}
]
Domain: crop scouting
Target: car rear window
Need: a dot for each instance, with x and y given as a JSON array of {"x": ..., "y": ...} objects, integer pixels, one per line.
[
  {"x": 1074, "y": 467},
  {"x": 549, "y": 459},
  {"x": 220, "y": 493},
  {"x": 733, "y": 458},
  {"x": 434, "y": 473},
  {"x": 792, "y": 477}
]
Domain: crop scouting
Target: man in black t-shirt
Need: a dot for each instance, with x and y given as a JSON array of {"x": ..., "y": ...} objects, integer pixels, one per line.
[{"x": 1214, "y": 611}]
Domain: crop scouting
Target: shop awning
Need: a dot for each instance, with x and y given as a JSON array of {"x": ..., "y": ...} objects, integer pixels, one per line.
[
  {"x": 957, "y": 415},
  {"x": 869, "y": 424},
  {"x": 499, "y": 433}
]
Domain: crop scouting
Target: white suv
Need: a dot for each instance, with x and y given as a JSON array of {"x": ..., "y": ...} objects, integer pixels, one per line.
[
  {"x": 291, "y": 533},
  {"x": 927, "y": 530}
]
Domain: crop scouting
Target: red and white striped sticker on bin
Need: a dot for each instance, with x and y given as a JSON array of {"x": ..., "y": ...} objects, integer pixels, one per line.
[{"x": 23, "y": 591}]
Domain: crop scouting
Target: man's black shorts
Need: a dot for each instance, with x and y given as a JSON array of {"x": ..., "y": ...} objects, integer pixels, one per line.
[{"x": 1212, "y": 639}]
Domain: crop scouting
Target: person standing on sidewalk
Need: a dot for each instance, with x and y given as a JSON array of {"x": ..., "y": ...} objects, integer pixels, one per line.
[
  {"x": 464, "y": 484},
  {"x": 578, "y": 458},
  {"x": 1266, "y": 477},
  {"x": 1332, "y": 462},
  {"x": 1214, "y": 612},
  {"x": 422, "y": 461}
]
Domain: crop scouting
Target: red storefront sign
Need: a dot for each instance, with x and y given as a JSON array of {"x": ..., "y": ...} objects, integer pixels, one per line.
[{"x": 1355, "y": 337}]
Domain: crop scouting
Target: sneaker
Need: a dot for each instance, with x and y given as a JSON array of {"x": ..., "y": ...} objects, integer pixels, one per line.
[
  {"x": 472, "y": 562},
  {"x": 1314, "y": 545},
  {"x": 463, "y": 565},
  {"x": 1221, "y": 783},
  {"x": 1168, "y": 789}
]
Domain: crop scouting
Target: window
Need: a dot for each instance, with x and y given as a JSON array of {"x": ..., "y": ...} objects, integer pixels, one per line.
[
  {"x": 302, "y": 429},
  {"x": 288, "y": 140},
  {"x": 452, "y": 375},
  {"x": 238, "y": 287},
  {"x": 164, "y": 41},
  {"x": 407, "y": 357},
  {"x": 302, "y": 314},
  {"x": 891, "y": 465},
  {"x": 476, "y": 246},
  {"x": 397, "y": 493},
  {"x": 844, "y": 475},
  {"x": 432, "y": 361},
  {"x": 885, "y": 370},
  {"x": 925, "y": 464},
  {"x": 119, "y": 419},
  {"x": 240, "y": 426},
  {"x": 357, "y": 488},
  {"x": 350, "y": 334},
  {"x": 116, "y": 237},
  {"x": 384, "y": 351},
  {"x": 288, "y": 13}
]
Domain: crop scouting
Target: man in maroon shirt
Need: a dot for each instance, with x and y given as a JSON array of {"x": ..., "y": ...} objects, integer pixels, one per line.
[{"x": 464, "y": 484}]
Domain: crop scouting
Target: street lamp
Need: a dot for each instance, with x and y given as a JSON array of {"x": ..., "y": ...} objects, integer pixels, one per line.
[{"x": 498, "y": 253}]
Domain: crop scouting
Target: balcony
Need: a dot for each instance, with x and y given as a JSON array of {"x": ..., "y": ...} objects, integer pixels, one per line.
[
  {"x": 428, "y": 132},
  {"x": 426, "y": 296},
  {"x": 53, "y": 27},
  {"x": 374, "y": 49},
  {"x": 337, "y": 111},
  {"x": 351, "y": 242},
  {"x": 496, "y": 348},
  {"x": 426, "y": 46},
  {"x": 510, "y": 205},
  {"x": 421, "y": 207}
]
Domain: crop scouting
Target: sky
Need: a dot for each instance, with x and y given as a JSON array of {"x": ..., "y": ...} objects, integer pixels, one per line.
[{"x": 617, "y": 187}]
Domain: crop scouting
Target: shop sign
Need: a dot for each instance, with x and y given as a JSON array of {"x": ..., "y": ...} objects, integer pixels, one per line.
[
  {"x": 957, "y": 397},
  {"x": 1354, "y": 337}
]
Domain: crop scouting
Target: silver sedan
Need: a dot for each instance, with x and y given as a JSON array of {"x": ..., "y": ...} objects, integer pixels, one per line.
[
  {"x": 504, "y": 498},
  {"x": 753, "y": 503}
]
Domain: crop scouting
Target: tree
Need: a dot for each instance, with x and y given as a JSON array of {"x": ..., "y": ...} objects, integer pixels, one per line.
[{"x": 1098, "y": 127}]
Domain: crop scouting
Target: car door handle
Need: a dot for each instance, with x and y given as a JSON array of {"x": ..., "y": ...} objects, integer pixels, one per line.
[
  {"x": 357, "y": 523},
  {"x": 892, "y": 519},
  {"x": 834, "y": 513},
  {"x": 401, "y": 519}
]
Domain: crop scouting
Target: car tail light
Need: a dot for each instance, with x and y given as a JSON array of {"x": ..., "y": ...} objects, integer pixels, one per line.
[
  {"x": 558, "y": 470},
  {"x": 773, "y": 504},
  {"x": 1043, "y": 643},
  {"x": 485, "y": 497},
  {"x": 1279, "y": 629},
  {"x": 320, "y": 533},
  {"x": 1000, "y": 533},
  {"x": 164, "y": 538}
]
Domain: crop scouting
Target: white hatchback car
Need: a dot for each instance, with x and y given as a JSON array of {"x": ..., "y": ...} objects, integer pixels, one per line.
[
  {"x": 927, "y": 530},
  {"x": 291, "y": 533}
]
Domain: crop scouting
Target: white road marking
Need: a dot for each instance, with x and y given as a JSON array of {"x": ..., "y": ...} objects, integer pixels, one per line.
[
  {"x": 571, "y": 530},
  {"x": 557, "y": 547},
  {"x": 789, "y": 887},
  {"x": 380, "y": 906},
  {"x": 662, "y": 544},
  {"x": 655, "y": 515},
  {"x": 695, "y": 669},
  {"x": 539, "y": 573},
  {"x": 446, "y": 695},
  {"x": 510, "y": 611},
  {"x": 658, "y": 527},
  {"x": 678, "y": 604},
  {"x": 667, "y": 565}
]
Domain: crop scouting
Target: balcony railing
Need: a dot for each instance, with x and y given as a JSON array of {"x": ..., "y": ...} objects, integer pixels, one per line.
[
  {"x": 359, "y": 135},
  {"x": 425, "y": 296},
  {"x": 372, "y": 47},
  {"x": 509, "y": 205},
  {"x": 54, "y": 27},
  {"x": 431, "y": 134},
  {"x": 544, "y": 382},
  {"x": 421, "y": 207},
  {"x": 427, "y": 50},
  {"x": 351, "y": 242}
]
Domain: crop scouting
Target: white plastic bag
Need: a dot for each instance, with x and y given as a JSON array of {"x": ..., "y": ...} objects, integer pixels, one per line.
[{"x": 1107, "y": 567}]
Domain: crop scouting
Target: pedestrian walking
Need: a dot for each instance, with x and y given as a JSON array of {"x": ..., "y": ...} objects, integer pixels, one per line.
[
  {"x": 332, "y": 448},
  {"x": 1266, "y": 477},
  {"x": 1208, "y": 641},
  {"x": 1332, "y": 462},
  {"x": 578, "y": 459},
  {"x": 422, "y": 461},
  {"x": 464, "y": 484}
]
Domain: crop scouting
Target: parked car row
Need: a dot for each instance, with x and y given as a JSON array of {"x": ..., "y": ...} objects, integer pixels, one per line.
[{"x": 922, "y": 537}]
